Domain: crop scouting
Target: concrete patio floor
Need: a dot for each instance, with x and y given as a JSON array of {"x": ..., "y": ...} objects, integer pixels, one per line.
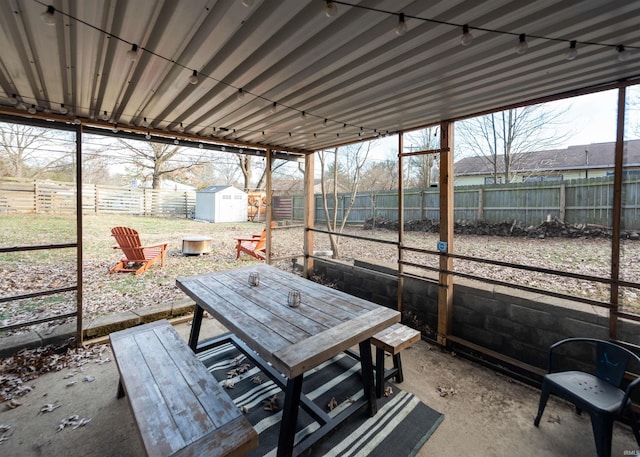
[{"x": 486, "y": 414}]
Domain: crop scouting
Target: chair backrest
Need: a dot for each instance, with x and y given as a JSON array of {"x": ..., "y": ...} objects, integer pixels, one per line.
[
  {"x": 129, "y": 241},
  {"x": 611, "y": 362}
]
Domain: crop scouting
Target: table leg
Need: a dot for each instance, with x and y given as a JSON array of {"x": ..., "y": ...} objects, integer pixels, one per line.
[
  {"x": 195, "y": 328},
  {"x": 289, "y": 416},
  {"x": 367, "y": 377}
]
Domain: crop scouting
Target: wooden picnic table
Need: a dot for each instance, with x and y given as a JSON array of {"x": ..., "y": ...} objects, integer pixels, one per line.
[{"x": 292, "y": 339}]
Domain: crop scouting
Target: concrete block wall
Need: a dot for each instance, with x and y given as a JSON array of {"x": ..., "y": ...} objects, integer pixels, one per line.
[{"x": 514, "y": 323}]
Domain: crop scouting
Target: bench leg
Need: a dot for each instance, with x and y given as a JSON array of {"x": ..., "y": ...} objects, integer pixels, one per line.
[
  {"x": 397, "y": 364},
  {"x": 380, "y": 378},
  {"x": 120, "y": 393}
]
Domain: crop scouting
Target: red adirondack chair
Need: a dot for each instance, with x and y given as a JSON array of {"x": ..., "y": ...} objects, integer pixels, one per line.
[{"x": 137, "y": 258}]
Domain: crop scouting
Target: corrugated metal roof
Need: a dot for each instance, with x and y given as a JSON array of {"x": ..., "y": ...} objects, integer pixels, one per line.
[{"x": 351, "y": 69}]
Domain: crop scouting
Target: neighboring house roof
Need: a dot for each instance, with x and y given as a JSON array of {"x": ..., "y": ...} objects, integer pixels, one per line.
[{"x": 599, "y": 155}]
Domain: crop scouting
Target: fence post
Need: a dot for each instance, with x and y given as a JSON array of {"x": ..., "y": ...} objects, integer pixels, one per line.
[
  {"x": 35, "y": 196},
  {"x": 480, "y": 204},
  {"x": 563, "y": 202}
]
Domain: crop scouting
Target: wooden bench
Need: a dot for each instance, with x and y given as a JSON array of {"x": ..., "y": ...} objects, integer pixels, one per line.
[
  {"x": 392, "y": 340},
  {"x": 179, "y": 407}
]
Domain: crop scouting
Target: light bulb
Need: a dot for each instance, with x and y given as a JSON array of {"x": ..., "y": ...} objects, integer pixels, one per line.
[
  {"x": 148, "y": 136},
  {"x": 274, "y": 108},
  {"x": 240, "y": 94},
  {"x": 193, "y": 79},
  {"x": 467, "y": 38},
  {"x": 48, "y": 16},
  {"x": 145, "y": 123},
  {"x": 105, "y": 116},
  {"x": 522, "y": 46},
  {"x": 63, "y": 109},
  {"x": 133, "y": 52},
  {"x": 200, "y": 146},
  {"x": 13, "y": 99},
  {"x": 181, "y": 128},
  {"x": 115, "y": 128},
  {"x": 77, "y": 120},
  {"x": 325, "y": 123},
  {"x": 32, "y": 109},
  {"x": 303, "y": 116},
  {"x": 572, "y": 53},
  {"x": 623, "y": 54},
  {"x": 176, "y": 141},
  {"x": 330, "y": 9},
  {"x": 401, "y": 28}
]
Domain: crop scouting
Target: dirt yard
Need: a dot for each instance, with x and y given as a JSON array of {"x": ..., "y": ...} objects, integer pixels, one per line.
[{"x": 104, "y": 293}]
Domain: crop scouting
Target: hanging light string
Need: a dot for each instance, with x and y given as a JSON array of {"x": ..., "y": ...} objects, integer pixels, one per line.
[{"x": 331, "y": 10}]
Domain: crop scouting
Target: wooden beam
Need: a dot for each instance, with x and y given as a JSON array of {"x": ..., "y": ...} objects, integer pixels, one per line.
[
  {"x": 309, "y": 213},
  {"x": 400, "y": 221},
  {"x": 269, "y": 214},
  {"x": 79, "y": 224},
  {"x": 616, "y": 216},
  {"x": 445, "y": 291}
]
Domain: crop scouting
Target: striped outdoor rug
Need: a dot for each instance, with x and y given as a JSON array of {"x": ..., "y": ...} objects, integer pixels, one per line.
[{"x": 400, "y": 428}]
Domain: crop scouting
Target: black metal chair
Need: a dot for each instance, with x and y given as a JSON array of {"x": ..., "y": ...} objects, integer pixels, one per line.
[{"x": 598, "y": 392}]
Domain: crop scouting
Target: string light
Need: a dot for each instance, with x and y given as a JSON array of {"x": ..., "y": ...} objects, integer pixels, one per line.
[
  {"x": 401, "y": 28},
  {"x": 133, "y": 52},
  {"x": 522, "y": 46},
  {"x": 623, "y": 54},
  {"x": 193, "y": 79},
  {"x": 48, "y": 16},
  {"x": 32, "y": 109},
  {"x": 330, "y": 9},
  {"x": 63, "y": 109},
  {"x": 467, "y": 38},
  {"x": 572, "y": 53},
  {"x": 145, "y": 123},
  {"x": 148, "y": 136}
]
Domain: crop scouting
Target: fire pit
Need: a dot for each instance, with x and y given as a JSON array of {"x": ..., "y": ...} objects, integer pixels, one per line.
[{"x": 196, "y": 245}]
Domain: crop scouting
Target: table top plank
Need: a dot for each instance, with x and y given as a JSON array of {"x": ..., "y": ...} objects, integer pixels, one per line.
[
  {"x": 306, "y": 354},
  {"x": 327, "y": 321}
]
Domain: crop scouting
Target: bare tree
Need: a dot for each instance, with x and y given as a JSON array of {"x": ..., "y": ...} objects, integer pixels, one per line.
[
  {"x": 155, "y": 161},
  {"x": 33, "y": 152},
  {"x": 421, "y": 167},
  {"x": 502, "y": 138},
  {"x": 350, "y": 166}
]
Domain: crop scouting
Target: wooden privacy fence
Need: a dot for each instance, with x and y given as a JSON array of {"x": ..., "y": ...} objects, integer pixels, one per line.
[
  {"x": 585, "y": 201},
  {"x": 50, "y": 197},
  {"x": 574, "y": 202}
]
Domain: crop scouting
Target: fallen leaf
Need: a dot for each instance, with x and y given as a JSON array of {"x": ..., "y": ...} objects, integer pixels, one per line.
[{"x": 48, "y": 407}]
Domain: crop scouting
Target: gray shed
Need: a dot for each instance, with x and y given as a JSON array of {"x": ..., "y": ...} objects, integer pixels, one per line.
[{"x": 221, "y": 204}]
